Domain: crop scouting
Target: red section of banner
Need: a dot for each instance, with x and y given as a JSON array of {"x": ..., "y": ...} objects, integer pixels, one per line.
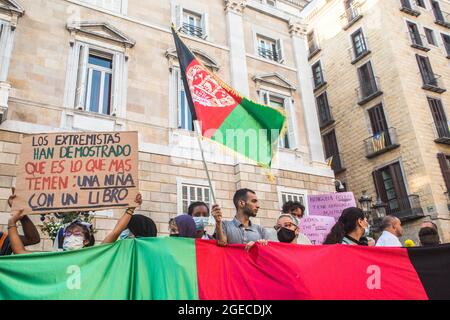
[
  {"x": 291, "y": 272},
  {"x": 213, "y": 103}
]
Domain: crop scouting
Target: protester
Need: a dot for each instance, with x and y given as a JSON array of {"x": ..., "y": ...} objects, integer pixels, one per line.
[
  {"x": 76, "y": 236},
  {"x": 132, "y": 225},
  {"x": 199, "y": 211},
  {"x": 392, "y": 231},
  {"x": 294, "y": 208},
  {"x": 350, "y": 228},
  {"x": 182, "y": 226},
  {"x": 30, "y": 233},
  {"x": 240, "y": 230},
  {"x": 429, "y": 236},
  {"x": 429, "y": 224}
]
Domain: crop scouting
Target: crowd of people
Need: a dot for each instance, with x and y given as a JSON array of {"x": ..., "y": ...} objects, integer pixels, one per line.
[{"x": 352, "y": 228}]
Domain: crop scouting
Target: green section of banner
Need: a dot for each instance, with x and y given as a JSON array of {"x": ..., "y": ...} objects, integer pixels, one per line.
[
  {"x": 252, "y": 130},
  {"x": 153, "y": 268}
]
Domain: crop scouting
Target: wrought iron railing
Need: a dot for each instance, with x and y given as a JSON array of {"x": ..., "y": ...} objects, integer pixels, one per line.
[
  {"x": 368, "y": 89},
  {"x": 268, "y": 54},
  {"x": 405, "y": 208},
  {"x": 192, "y": 30},
  {"x": 381, "y": 141}
]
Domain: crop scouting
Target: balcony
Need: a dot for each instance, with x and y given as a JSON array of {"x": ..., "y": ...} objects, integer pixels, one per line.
[
  {"x": 268, "y": 54},
  {"x": 381, "y": 143},
  {"x": 442, "y": 18},
  {"x": 433, "y": 82},
  {"x": 409, "y": 8},
  {"x": 351, "y": 15},
  {"x": 314, "y": 49},
  {"x": 418, "y": 41},
  {"x": 405, "y": 209},
  {"x": 192, "y": 30},
  {"x": 441, "y": 132},
  {"x": 368, "y": 91},
  {"x": 337, "y": 163}
]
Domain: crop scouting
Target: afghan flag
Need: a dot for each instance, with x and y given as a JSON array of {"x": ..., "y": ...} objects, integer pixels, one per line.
[
  {"x": 235, "y": 122},
  {"x": 188, "y": 269}
]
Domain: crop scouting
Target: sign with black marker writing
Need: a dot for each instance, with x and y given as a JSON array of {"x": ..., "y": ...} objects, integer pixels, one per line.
[{"x": 62, "y": 172}]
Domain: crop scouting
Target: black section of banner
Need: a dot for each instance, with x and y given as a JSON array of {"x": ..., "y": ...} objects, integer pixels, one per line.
[
  {"x": 433, "y": 267},
  {"x": 185, "y": 58}
]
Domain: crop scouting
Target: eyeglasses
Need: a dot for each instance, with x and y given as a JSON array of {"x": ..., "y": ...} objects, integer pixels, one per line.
[{"x": 285, "y": 225}]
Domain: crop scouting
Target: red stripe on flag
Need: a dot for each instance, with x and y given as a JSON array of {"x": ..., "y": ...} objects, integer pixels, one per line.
[
  {"x": 213, "y": 103},
  {"x": 290, "y": 272}
]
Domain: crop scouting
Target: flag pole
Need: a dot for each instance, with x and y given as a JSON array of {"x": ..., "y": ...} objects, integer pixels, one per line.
[{"x": 198, "y": 131}]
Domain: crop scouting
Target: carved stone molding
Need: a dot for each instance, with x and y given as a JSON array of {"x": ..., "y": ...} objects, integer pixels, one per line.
[
  {"x": 297, "y": 28},
  {"x": 236, "y": 6}
]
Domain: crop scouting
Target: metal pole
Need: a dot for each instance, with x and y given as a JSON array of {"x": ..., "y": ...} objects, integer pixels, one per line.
[{"x": 197, "y": 129}]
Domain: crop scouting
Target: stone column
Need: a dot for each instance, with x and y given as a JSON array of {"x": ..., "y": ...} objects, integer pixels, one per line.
[
  {"x": 236, "y": 42},
  {"x": 297, "y": 31}
]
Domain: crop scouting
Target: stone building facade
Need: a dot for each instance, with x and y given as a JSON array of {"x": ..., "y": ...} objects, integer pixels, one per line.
[
  {"x": 381, "y": 78},
  {"x": 105, "y": 65}
]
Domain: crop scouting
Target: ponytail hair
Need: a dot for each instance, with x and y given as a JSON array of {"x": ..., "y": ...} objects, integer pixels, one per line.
[{"x": 347, "y": 223}]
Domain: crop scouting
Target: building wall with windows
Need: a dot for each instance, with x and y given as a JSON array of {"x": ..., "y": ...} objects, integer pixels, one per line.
[
  {"x": 111, "y": 65},
  {"x": 389, "y": 140}
]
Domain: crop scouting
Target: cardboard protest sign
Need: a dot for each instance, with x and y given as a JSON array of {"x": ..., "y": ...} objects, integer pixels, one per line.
[
  {"x": 316, "y": 228},
  {"x": 61, "y": 172},
  {"x": 330, "y": 205}
]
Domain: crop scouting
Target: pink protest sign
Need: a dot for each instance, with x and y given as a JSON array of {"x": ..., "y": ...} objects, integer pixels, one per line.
[
  {"x": 330, "y": 205},
  {"x": 316, "y": 228}
]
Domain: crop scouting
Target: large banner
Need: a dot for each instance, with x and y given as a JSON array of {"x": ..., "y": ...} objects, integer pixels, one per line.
[
  {"x": 330, "y": 205},
  {"x": 62, "y": 172}
]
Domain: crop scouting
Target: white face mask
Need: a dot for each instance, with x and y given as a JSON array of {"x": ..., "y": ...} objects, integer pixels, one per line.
[{"x": 73, "y": 243}]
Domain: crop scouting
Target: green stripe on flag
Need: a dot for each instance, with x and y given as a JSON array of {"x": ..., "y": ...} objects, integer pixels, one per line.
[
  {"x": 154, "y": 268},
  {"x": 252, "y": 131}
]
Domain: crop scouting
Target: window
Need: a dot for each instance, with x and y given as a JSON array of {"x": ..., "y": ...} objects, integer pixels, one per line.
[
  {"x": 323, "y": 107},
  {"x": 426, "y": 71},
  {"x": 192, "y": 193},
  {"x": 98, "y": 84},
  {"x": 318, "y": 75},
  {"x": 446, "y": 40},
  {"x": 286, "y": 194},
  {"x": 414, "y": 34},
  {"x": 285, "y": 197},
  {"x": 439, "y": 118},
  {"x": 431, "y": 38},
  {"x": 270, "y": 49},
  {"x": 391, "y": 189},
  {"x": 274, "y": 100},
  {"x": 119, "y": 6},
  {"x": 368, "y": 83},
  {"x": 351, "y": 10},
  {"x": 381, "y": 136},
  {"x": 312, "y": 44},
  {"x": 96, "y": 77},
  {"x": 444, "y": 163},
  {"x": 332, "y": 151},
  {"x": 359, "y": 44},
  {"x": 437, "y": 11},
  {"x": 191, "y": 22},
  {"x": 421, "y": 3},
  {"x": 184, "y": 114}
]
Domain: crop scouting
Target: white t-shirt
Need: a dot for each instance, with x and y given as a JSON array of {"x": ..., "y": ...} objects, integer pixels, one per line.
[{"x": 387, "y": 239}]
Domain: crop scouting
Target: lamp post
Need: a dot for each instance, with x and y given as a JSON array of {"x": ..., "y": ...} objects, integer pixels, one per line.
[
  {"x": 378, "y": 213},
  {"x": 365, "y": 203}
]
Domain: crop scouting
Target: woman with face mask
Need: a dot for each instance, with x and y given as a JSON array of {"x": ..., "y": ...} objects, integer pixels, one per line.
[
  {"x": 287, "y": 229},
  {"x": 77, "y": 235},
  {"x": 351, "y": 227},
  {"x": 199, "y": 211}
]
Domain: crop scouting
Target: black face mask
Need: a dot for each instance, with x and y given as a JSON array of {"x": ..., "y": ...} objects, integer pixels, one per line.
[{"x": 286, "y": 235}]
